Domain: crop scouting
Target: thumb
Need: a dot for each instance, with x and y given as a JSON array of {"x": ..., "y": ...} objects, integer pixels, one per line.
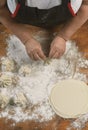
[{"x": 41, "y": 54}]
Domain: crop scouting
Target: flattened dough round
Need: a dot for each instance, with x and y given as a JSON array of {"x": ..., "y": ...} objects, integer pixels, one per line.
[{"x": 69, "y": 98}]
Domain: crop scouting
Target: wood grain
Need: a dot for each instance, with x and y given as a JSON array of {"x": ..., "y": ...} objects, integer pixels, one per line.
[{"x": 81, "y": 38}]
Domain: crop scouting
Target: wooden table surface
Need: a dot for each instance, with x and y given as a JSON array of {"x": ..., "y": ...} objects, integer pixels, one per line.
[{"x": 81, "y": 37}]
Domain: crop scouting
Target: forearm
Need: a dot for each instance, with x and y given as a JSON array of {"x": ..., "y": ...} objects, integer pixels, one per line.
[
  {"x": 18, "y": 29},
  {"x": 75, "y": 23},
  {"x": 2, "y": 3}
]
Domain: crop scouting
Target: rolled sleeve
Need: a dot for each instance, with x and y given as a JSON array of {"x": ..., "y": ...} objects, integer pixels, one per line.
[
  {"x": 76, "y": 4},
  {"x": 11, "y": 5}
]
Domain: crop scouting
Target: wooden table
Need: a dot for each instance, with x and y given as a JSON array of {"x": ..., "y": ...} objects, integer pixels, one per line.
[{"x": 81, "y": 37}]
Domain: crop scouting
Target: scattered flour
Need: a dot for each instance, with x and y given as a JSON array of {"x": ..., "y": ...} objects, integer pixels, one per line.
[{"x": 37, "y": 86}]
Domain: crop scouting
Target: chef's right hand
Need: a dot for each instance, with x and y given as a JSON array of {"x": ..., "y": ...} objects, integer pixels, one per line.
[{"x": 34, "y": 50}]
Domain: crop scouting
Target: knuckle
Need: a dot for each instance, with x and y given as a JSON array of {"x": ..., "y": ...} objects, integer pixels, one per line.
[
  {"x": 36, "y": 50},
  {"x": 29, "y": 52}
]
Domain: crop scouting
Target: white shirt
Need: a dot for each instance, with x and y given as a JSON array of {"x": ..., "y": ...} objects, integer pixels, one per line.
[{"x": 44, "y": 4}]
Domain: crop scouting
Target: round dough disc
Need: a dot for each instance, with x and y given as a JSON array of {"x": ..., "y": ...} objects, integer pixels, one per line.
[{"x": 69, "y": 98}]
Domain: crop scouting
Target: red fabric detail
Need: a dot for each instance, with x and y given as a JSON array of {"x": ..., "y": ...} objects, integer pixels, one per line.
[
  {"x": 16, "y": 11},
  {"x": 71, "y": 10}
]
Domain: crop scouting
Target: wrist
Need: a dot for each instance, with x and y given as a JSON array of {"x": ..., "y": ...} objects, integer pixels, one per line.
[
  {"x": 27, "y": 41},
  {"x": 62, "y": 37}
]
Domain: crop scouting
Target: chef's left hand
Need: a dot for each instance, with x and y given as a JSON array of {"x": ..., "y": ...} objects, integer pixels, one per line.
[{"x": 57, "y": 48}]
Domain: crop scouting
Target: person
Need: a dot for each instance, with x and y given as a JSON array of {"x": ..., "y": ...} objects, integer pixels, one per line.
[{"x": 17, "y": 14}]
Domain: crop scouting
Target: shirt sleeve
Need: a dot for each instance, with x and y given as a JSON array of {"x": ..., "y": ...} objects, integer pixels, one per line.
[
  {"x": 11, "y": 5},
  {"x": 76, "y": 4}
]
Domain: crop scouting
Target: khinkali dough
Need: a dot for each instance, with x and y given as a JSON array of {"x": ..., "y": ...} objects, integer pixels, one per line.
[
  {"x": 8, "y": 80},
  {"x": 7, "y": 64},
  {"x": 25, "y": 70},
  {"x": 4, "y": 100},
  {"x": 20, "y": 100}
]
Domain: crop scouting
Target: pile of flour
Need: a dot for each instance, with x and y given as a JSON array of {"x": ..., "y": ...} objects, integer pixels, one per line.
[{"x": 37, "y": 86}]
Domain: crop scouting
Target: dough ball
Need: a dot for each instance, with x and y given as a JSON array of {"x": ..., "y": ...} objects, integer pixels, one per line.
[
  {"x": 4, "y": 100},
  {"x": 8, "y": 80},
  {"x": 25, "y": 70},
  {"x": 20, "y": 100},
  {"x": 7, "y": 64}
]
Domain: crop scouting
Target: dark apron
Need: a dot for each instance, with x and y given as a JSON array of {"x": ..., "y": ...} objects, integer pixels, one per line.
[{"x": 42, "y": 17}]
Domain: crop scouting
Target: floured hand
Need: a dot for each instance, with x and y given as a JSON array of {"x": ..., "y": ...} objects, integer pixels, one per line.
[
  {"x": 57, "y": 48},
  {"x": 34, "y": 50}
]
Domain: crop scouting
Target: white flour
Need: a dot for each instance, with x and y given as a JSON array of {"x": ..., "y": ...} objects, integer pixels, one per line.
[{"x": 37, "y": 86}]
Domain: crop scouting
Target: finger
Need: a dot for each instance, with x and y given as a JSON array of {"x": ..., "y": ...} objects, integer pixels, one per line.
[
  {"x": 41, "y": 54},
  {"x": 56, "y": 55},
  {"x": 52, "y": 52},
  {"x": 36, "y": 56},
  {"x": 31, "y": 56},
  {"x": 61, "y": 53}
]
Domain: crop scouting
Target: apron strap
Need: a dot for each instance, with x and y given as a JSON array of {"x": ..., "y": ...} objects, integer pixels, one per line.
[
  {"x": 68, "y": 4},
  {"x": 20, "y": 2},
  {"x": 70, "y": 8}
]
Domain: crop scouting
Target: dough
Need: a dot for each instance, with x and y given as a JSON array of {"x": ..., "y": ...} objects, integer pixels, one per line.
[
  {"x": 69, "y": 98},
  {"x": 25, "y": 70},
  {"x": 8, "y": 79},
  {"x": 7, "y": 64},
  {"x": 20, "y": 100},
  {"x": 4, "y": 100}
]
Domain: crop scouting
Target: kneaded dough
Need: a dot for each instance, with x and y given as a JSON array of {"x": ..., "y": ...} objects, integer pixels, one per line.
[
  {"x": 69, "y": 98},
  {"x": 25, "y": 70},
  {"x": 4, "y": 100},
  {"x": 7, "y": 64},
  {"x": 8, "y": 79},
  {"x": 20, "y": 100}
]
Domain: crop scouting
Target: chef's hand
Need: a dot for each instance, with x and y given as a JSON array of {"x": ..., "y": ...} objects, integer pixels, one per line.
[
  {"x": 34, "y": 50},
  {"x": 57, "y": 48}
]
